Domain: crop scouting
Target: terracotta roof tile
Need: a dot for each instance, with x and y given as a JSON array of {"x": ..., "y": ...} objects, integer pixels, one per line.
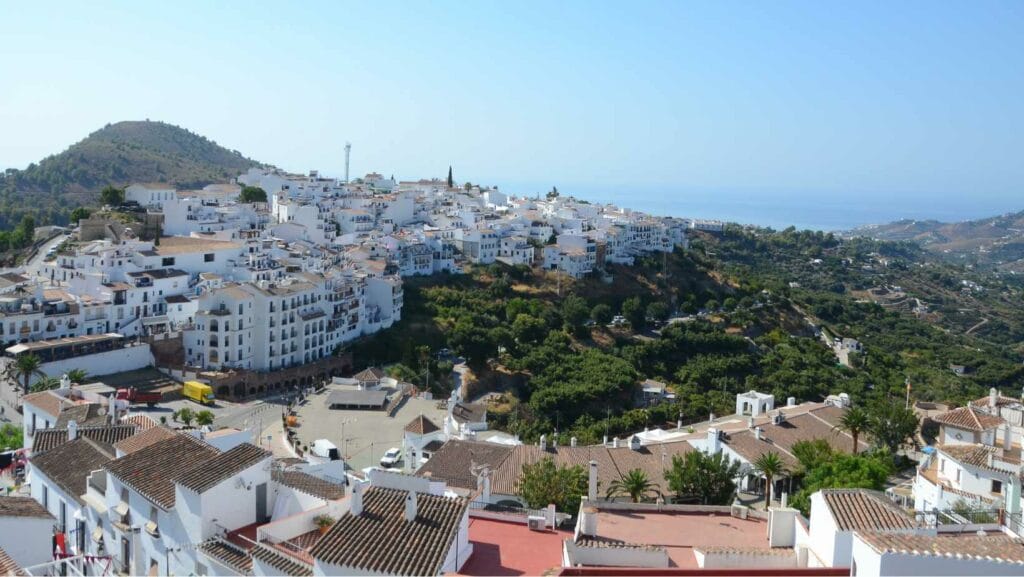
[
  {"x": 221, "y": 467},
  {"x": 452, "y": 462},
  {"x": 107, "y": 435},
  {"x": 283, "y": 563},
  {"x": 372, "y": 374},
  {"x": 310, "y": 485},
  {"x": 470, "y": 412},
  {"x": 143, "y": 422},
  {"x": 151, "y": 472},
  {"x": 22, "y": 507},
  {"x": 46, "y": 401},
  {"x": 860, "y": 509},
  {"x": 999, "y": 547},
  {"x": 969, "y": 419},
  {"x": 8, "y": 566},
  {"x": 70, "y": 464},
  {"x": 381, "y": 541},
  {"x": 84, "y": 414},
  {"x": 144, "y": 439},
  {"x": 228, "y": 554},
  {"x": 421, "y": 426}
]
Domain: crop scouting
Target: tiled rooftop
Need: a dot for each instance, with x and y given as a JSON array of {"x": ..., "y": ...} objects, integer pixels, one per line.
[
  {"x": 47, "y": 439},
  {"x": 309, "y": 484},
  {"x": 152, "y": 472},
  {"x": 144, "y": 439},
  {"x": 999, "y": 547},
  {"x": 22, "y": 507},
  {"x": 969, "y": 419},
  {"x": 380, "y": 540},
  {"x": 69, "y": 465},
  {"x": 223, "y": 466},
  {"x": 860, "y": 509}
]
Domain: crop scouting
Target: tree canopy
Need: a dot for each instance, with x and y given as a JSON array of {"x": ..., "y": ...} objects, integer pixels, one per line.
[
  {"x": 544, "y": 483},
  {"x": 252, "y": 194},
  {"x": 702, "y": 478}
]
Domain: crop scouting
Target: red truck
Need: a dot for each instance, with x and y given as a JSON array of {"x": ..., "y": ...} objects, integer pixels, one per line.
[{"x": 135, "y": 397}]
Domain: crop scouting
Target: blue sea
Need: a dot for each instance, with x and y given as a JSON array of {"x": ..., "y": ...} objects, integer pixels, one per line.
[{"x": 779, "y": 209}]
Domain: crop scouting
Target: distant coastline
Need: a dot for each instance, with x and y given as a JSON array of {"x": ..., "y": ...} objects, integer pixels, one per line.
[{"x": 829, "y": 212}]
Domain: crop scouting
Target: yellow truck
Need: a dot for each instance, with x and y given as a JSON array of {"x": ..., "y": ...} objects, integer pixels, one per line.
[{"x": 198, "y": 392}]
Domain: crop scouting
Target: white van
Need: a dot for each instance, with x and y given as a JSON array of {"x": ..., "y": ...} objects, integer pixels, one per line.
[{"x": 325, "y": 449}]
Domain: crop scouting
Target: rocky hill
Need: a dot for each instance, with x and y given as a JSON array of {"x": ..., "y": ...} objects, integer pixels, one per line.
[{"x": 117, "y": 154}]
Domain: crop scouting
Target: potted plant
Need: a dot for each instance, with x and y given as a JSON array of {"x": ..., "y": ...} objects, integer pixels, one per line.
[{"x": 323, "y": 522}]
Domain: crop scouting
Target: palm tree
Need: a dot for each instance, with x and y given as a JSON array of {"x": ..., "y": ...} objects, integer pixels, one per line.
[
  {"x": 77, "y": 375},
  {"x": 26, "y": 367},
  {"x": 635, "y": 484},
  {"x": 771, "y": 466},
  {"x": 854, "y": 421},
  {"x": 45, "y": 384}
]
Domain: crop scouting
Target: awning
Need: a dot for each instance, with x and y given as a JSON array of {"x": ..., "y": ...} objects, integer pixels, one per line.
[{"x": 158, "y": 320}]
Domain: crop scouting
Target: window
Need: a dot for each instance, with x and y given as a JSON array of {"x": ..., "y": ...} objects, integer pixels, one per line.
[
  {"x": 46, "y": 497},
  {"x": 168, "y": 261},
  {"x": 997, "y": 486},
  {"x": 208, "y": 257}
]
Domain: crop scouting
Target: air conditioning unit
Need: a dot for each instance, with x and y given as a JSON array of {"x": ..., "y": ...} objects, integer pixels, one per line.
[{"x": 537, "y": 523}]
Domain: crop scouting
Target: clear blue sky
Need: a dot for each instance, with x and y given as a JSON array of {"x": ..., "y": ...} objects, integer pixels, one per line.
[{"x": 883, "y": 97}]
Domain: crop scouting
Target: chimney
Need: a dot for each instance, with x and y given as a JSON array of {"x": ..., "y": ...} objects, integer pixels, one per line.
[
  {"x": 714, "y": 441},
  {"x": 357, "y": 498},
  {"x": 543, "y": 442},
  {"x": 72, "y": 430},
  {"x": 993, "y": 397},
  {"x": 605, "y": 441},
  {"x": 588, "y": 520},
  {"x": 592, "y": 482},
  {"x": 410, "y": 506},
  {"x": 750, "y": 422},
  {"x": 757, "y": 433},
  {"x": 679, "y": 424},
  {"x": 615, "y": 443},
  {"x": 791, "y": 402},
  {"x": 572, "y": 441},
  {"x": 1007, "y": 438}
]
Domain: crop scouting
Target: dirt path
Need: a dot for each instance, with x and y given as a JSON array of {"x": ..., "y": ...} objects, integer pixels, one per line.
[{"x": 977, "y": 326}]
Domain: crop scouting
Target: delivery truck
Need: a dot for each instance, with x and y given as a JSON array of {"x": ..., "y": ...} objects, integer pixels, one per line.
[
  {"x": 198, "y": 392},
  {"x": 137, "y": 397}
]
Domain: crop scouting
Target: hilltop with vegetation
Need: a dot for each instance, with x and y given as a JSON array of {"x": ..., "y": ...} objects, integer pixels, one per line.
[
  {"x": 997, "y": 241},
  {"x": 116, "y": 155}
]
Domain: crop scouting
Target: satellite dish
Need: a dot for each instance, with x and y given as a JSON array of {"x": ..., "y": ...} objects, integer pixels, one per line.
[{"x": 101, "y": 411}]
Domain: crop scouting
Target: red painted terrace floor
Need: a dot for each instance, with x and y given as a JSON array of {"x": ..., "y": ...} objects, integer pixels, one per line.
[{"x": 501, "y": 548}]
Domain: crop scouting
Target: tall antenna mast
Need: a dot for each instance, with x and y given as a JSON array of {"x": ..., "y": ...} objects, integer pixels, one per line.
[{"x": 348, "y": 152}]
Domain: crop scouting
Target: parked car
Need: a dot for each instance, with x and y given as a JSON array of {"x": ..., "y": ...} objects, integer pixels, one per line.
[{"x": 391, "y": 458}]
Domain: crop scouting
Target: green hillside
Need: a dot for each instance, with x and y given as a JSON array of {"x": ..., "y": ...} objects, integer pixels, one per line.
[{"x": 117, "y": 154}]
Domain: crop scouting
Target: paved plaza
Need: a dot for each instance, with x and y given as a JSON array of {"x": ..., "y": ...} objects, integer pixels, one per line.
[{"x": 362, "y": 436}]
